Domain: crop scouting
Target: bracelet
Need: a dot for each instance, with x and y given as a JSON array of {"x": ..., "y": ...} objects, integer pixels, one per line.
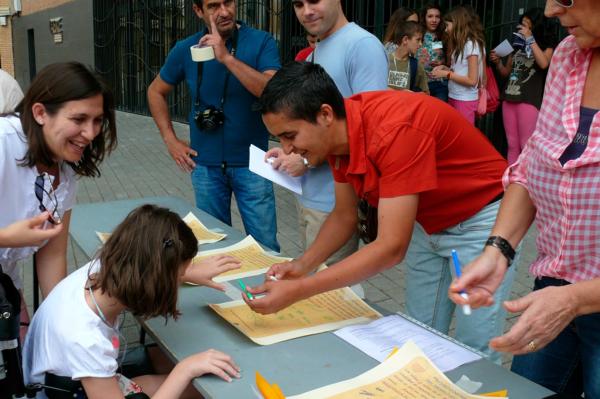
[
  {"x": 449, "y": 74},
  {"x": 504, "y": 246}
]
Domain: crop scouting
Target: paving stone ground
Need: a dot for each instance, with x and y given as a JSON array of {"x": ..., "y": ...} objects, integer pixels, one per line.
[{"x": 141, "y": 167}]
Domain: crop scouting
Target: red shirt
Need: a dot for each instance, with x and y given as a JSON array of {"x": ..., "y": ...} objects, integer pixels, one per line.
[
  {"x": 303, "y": 54},
  {"x": 405, "y": 143}
]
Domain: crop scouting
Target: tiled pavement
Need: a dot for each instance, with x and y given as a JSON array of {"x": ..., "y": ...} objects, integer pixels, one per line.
[{"x": 141, "y": 167}]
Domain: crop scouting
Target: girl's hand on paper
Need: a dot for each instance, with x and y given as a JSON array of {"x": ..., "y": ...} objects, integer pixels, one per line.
[
  {"x": 274, "y": 295},
  {"x": 203, "y": 272},
  {"x": 546, "y": 313},
  {"x": 480, "y": 279}
]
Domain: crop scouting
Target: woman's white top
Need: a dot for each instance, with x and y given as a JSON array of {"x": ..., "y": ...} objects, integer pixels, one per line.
[{"x": 17, "y": 191}]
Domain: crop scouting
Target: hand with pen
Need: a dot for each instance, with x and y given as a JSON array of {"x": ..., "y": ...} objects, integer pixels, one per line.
[
  {"x": 480, "y": 279},
  {"x": 283, "y": 286}
]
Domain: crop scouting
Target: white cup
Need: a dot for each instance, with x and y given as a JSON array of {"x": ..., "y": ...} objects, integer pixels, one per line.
[{"x": 202, "y": 53}]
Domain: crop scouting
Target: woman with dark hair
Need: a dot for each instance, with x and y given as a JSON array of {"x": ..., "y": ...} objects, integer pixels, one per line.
[
  {"x": 555, "y": 183},
  {"x": 63, "y": 128},
  {"x": 432, "y": 53},
  {"x": 526, "y": 71},
  {"x": 398, "y": 17}
]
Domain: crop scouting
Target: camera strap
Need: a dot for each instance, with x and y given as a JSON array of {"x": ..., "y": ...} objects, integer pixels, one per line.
[{"x": 234, "y": 40}]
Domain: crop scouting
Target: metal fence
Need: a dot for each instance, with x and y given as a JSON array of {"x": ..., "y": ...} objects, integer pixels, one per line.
[{"x": 133, "y": 37}]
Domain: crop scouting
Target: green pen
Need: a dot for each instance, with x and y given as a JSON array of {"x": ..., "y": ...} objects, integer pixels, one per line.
[{"x": 243, "y": 287}]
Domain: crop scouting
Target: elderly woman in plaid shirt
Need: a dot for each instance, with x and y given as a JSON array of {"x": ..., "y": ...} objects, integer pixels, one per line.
[{"x": 556, "y": 182}]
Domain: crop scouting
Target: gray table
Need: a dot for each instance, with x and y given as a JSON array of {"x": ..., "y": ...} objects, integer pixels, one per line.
[{"x": 297, "y": 365}]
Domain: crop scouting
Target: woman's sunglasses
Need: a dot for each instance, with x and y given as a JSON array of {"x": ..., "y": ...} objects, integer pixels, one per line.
[
  {"x": 565, "y": 3},
  {"x": 47, "y": 199}
]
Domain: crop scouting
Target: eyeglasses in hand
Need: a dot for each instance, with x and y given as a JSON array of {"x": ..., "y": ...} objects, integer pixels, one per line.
[{"x": 47, "y": 199}]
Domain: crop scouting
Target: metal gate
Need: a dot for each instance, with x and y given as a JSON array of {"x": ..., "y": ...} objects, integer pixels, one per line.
[{"x": 132, "y": 37}]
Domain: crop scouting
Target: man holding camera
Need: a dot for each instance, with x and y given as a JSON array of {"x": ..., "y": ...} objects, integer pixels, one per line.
[{"x": 222, "y": 122}]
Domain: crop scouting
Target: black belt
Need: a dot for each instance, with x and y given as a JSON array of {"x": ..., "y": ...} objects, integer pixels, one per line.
[{"x": 496, "y": 198}]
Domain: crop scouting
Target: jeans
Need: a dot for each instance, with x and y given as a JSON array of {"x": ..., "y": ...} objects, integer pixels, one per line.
[
  {"x": 439, "y": 89},
  {"x": 213, "y": 186},
  {"x": 429, "y": 275},
  {"x": 571, "y": 363}
]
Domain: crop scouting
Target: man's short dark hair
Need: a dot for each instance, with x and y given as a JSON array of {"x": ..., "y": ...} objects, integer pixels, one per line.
[{"x": 298, "y": 90}]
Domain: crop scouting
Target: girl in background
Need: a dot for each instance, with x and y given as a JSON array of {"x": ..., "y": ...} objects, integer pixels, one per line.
[
  {"x": 398, "y": 17},
  {"x": 526, "y": 73},
  {"x": 75, "y": 333},
  {"x": 466, "y": 45},
  {"x": 432, "y": 53}
]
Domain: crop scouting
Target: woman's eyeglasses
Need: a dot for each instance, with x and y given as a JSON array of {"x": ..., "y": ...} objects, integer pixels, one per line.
[
  {"x": 565, "y": 3},
  {"x": 47, "y": 199}
]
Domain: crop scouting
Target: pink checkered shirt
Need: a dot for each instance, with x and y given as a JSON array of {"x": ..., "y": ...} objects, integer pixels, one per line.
[{"x": 567, "y": 197}]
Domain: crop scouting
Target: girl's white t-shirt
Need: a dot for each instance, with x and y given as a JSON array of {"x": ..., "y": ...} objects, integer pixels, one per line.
[
  {"x": 461, "y": 67},
  {"x": 66, "y": 337}
]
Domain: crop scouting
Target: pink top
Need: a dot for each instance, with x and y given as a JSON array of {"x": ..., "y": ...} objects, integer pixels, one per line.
[{"x": 567, "y": 198}]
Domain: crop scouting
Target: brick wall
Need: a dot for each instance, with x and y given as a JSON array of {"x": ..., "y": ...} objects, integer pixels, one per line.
[
  {"x": 33, "y": 6},
  {"x": 6, "y": 37}
]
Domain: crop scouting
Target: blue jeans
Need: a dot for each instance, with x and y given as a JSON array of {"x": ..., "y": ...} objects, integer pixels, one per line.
[
  {"x": 255, "y": 199},
  {"x": 429, "y": 275},
  {"x": 571, "y": 363},
  {"x": 439, "y": 89}
]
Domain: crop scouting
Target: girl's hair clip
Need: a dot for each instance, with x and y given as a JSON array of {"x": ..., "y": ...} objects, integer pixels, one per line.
[{"x": 167, "y": 243}]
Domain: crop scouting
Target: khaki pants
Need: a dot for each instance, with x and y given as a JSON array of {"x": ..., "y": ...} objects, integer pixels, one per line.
[{"x": 310, "y": 221}]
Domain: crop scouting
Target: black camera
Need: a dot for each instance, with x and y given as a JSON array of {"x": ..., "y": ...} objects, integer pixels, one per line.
[{"x": 210, "y": 119}]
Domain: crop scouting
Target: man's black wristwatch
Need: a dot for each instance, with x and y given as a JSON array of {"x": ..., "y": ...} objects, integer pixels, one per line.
[{"x": 504, "y": 246}]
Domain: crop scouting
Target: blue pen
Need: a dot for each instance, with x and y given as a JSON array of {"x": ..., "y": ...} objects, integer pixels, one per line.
[
  {"x": 243, "y": 287},
  {"x": 465, "y": 308}
]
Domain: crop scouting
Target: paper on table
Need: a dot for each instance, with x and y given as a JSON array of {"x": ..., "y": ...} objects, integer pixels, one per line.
[
  {"x": 204, "y": 235},
  {"x": 504, "y": 49},
  {"x": 260, "y": 167},
  {"x": 320, "y": 313},
  {"x": 103, "y": 237},
  {"x": 379, "y": 337},
  {"x": 408, "y": 374},
  {"x": 254, "y": 259}
]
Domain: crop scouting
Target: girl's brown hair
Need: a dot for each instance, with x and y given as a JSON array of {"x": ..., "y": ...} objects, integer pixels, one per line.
[
  {"x": 465, "y": 27},
  {"x": 398, "y": 17},
  {"x": 142, "y": 261},
  {"x": 53, "y": 86}
]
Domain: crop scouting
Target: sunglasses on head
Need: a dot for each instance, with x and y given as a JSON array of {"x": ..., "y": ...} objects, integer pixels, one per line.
[
  {"x": 565, "y": 3},
  {"x": 47, "y": 199}
]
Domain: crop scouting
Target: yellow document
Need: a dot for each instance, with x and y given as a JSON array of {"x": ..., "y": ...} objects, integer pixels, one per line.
[
  {"x": 204, "y": 235},
  {"x": 408, "y": 374},
  {"x": 324, "y": 312},
  {"x": 254, "y": 259},
  {"x": 103, "y": 237}
]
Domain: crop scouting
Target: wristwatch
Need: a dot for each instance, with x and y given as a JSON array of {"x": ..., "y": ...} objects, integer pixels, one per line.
[{"x": 504, "y": 246}]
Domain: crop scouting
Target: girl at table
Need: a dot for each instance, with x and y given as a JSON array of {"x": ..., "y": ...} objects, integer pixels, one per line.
[{"x": 75, "y": 333}]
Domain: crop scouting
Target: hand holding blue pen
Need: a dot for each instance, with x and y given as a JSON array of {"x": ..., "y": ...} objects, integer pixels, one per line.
[{"x": 465, "y": 308}]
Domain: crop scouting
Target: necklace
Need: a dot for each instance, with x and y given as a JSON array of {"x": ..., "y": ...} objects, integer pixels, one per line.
[{"x": 115, "y": 339}]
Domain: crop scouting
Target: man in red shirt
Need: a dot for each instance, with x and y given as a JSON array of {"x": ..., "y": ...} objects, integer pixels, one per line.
[{"x": 414, "y": 158}]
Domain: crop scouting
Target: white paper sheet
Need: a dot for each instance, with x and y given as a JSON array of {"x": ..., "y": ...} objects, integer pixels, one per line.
[
  {"x": 260, "y": 167},
  {"x": 378, "y": 338},
  {"x": 504, "y": 49}
]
